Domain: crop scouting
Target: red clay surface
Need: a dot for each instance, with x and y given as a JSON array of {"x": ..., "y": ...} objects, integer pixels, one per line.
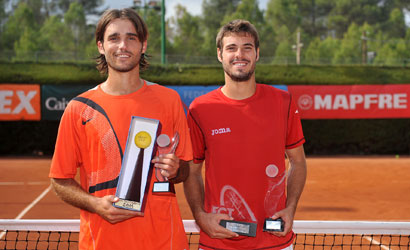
[{"x": 341, "y": 188}]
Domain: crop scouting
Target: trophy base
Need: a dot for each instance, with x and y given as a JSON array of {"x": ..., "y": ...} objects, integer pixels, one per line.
[
  {"x": 239, "y": 227},
  {"x": 127, "y": 204},
  {"x": 272, "y": 225},
  {"x": 163, "y": 187}
]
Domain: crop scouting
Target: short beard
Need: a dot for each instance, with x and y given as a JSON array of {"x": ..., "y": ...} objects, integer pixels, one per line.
[
  {"x": 128, "y": 68},
  {"x": 242, "y": 77}
]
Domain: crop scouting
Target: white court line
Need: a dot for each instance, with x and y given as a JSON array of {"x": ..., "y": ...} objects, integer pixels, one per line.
[
  {"x": 20, "y": 183},
  {"x": 11, "y": 183},
  {"x": 30, "y": 206},
  {"x": 375, "y": 242}
]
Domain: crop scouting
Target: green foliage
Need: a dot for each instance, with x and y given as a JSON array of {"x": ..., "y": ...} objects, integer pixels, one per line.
[
  {"x": 349, "y": 51},
  {"x": 16, "y": 25},
  {"x": 332, "y": 31},
  {"x": 27, "y": 43},
  {"x": 248, "y": 10},
  {"x": 153, "y": 21},
  {"x": 396, "y": 24},
  {"x": 189, "y": 36},
  {"x": 90, "y": 6},
  {"x": 283, "y": 13},
  {"x": 74, "y": 18},
  {"x": 57, "y": 35},
  {"x": 213, "y": 11}
]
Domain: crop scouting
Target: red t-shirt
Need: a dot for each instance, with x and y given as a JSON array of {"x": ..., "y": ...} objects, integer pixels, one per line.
[
  {"x": 92, "y": 138},
  {"x": 243, "y": 144}
]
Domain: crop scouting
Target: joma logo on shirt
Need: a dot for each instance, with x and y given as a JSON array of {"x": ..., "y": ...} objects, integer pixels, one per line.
[{"x": 221, "y": 131}]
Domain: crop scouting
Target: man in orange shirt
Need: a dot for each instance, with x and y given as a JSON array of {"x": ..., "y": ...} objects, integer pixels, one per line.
[{"x": 92, "y": 138}]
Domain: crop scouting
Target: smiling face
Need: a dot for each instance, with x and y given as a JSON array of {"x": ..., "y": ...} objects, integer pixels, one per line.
[
  {"x": 121, "y": 46},
  {"x": 238, "y": 56}
]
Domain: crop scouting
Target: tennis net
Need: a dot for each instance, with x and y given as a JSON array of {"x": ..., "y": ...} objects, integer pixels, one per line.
[{"x": 63, "y": 234}]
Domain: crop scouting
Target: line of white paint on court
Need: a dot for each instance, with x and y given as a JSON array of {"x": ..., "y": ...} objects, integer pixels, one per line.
[
  {"x": 21, "y": 183},
  {"x": 30, "y": 206},
  {"x": 375, "y": 242}
]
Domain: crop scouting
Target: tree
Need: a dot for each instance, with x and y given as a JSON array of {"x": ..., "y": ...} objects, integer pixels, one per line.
[
  {"x": 283, "y": 13},
  {"x": 57, "y": 35},
  {"x": 321, "y": 51},
  {"x": 3, "y": 16},
  {"x": 396, "y": 24},
  {"x": 153, "y": 21},
  {"x": 36, "y": 7},
  {"x": 393, "y": 51},
  {"x": 350, "y": 49},
  {"x": 213, "y": 11},
  {"x": 309, "y": 15},
  {"x": 75, "y": 20},
  {"x": 377, "y": 13},
  {"x": 89, "y": 6},
  {"x": 247, "y": 10},
  {"x": 314, "y": 16},
  {"x": 22, "y": 18},
  {"x": 28, "y": 45},
  {"x": 284, "y": 53}
]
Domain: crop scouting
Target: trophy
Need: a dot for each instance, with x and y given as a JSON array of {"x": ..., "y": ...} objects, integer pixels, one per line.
[
  {"x": 136, "y": 171},
  {"x": 271, "y": 225},
  {"x": 142, "y": 141},
  {"x": 240, "y": 227},
  {"x": 164, "y": 146},
  {"x": 276, "y": 190}
]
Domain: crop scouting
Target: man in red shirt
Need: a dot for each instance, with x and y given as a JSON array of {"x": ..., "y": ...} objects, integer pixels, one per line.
[
  {"x": 92, "y": 137},
  {"x": 243, "y": 131}
]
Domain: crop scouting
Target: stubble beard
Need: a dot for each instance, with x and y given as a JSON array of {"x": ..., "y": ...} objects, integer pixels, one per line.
[{"x": 125, "y": 68}]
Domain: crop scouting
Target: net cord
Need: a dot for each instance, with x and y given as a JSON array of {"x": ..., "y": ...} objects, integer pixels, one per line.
[{"x": 300, "y": 226}]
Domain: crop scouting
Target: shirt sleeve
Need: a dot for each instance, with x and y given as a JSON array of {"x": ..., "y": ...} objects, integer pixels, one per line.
[
  {"x": 294, "y": 137},
  {"x": 66, "y": 156},
  {"x": 197, "y": 137}
]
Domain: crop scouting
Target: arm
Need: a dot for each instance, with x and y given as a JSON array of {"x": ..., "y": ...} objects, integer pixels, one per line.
[
  {"x": 71, "y": 192},
  {"x": 295, "y": 184},
  {"x": 194, "y": 193}
]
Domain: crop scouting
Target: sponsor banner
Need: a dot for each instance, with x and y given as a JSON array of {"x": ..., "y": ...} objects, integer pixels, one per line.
[
  {"x": 20, "y": 102},
  {"x": 352, "y": 101},
  {"x": 189, "y": 93},
  {"x": 54, "y": 99}
]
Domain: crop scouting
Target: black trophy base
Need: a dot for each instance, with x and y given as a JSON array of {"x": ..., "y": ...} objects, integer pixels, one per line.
[
  {"x": 272, "y": 225},
  {"x": 239, "y": 227},
  {"x": 163, "y": 187}
]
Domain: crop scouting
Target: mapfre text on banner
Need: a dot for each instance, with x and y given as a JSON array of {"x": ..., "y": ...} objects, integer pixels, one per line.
[
  {"x": 352, "y": 101},
  {"x": 20, "y": 102}
]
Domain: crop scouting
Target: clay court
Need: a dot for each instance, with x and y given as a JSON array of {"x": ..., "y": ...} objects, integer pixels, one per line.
[{"x": 337, "y": 188}]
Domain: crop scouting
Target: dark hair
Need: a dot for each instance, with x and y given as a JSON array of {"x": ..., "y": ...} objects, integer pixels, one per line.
[
  {"x": 111, "y": 15},
  {"x": 237, "y": 27}
]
